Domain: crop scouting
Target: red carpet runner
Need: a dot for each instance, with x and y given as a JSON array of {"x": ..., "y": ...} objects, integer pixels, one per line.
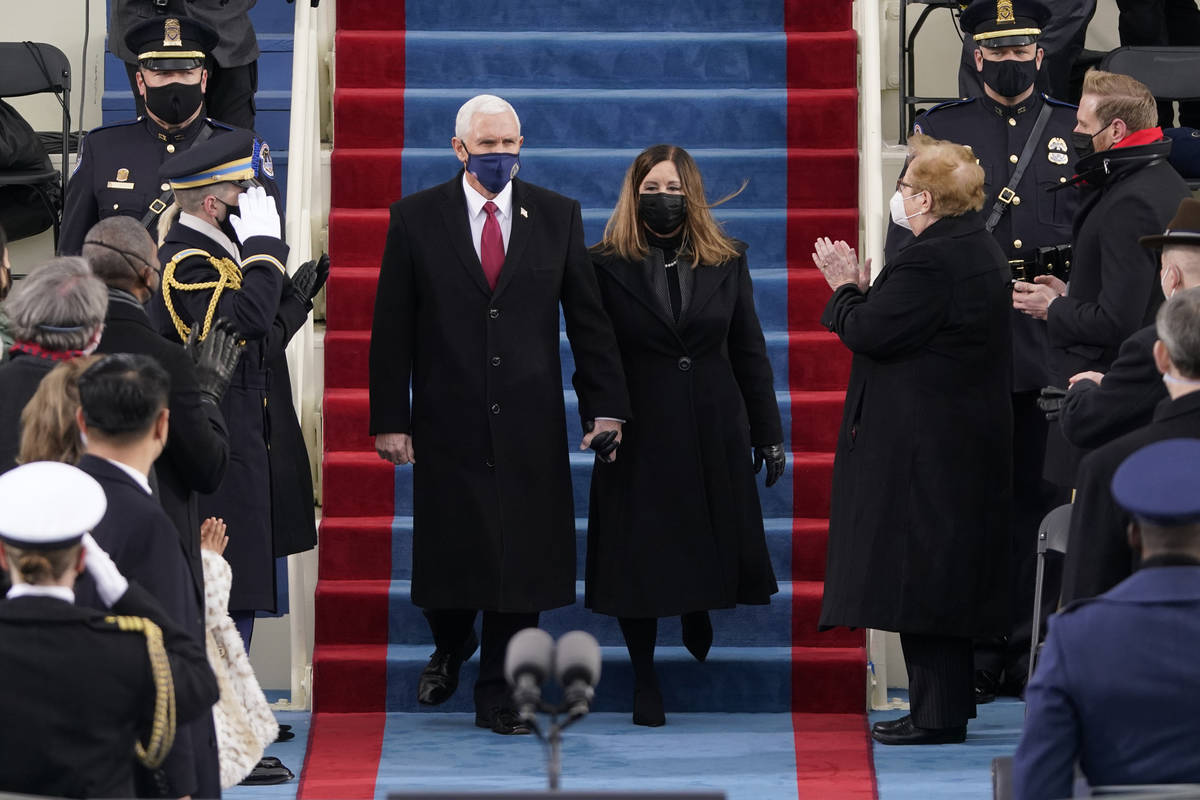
[{"x": 350, "y": 658}]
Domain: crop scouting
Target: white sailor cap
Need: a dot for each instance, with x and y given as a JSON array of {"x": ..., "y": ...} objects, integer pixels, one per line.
[{"x": 47, "y": 505}]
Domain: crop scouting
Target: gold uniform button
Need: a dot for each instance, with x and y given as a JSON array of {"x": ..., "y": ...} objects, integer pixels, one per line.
[
  {"x": 1016, "y": 201},
  {"x": 165, "y": 186},
  {"x": 116, "y": 206},
  {"x": 170, "y": 148},
  {"x": 1062, "y": 179},
  {"x": 1017, "y": 244},
  {"x": 1013, "y": 158},
  {"x": 1012, "y": 122}
]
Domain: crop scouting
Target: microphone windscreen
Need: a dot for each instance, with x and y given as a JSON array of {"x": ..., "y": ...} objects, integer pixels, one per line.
[
  {"x": 577, "y": 657},
  {"x": 530, "y": 651}
]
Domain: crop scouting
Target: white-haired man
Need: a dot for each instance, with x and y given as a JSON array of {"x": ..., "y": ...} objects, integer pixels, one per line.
[{"x": 467, "y": 307}]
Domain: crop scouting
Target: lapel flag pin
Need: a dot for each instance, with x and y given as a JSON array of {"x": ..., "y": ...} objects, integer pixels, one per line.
[{"x": 524, "y": 213}]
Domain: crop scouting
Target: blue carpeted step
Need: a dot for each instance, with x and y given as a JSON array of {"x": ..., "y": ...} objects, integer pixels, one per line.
[
  {"x": 746, "y": 679},
  {"x": 274, "y": 65},
  {"x": 270, "y": 17},
  {"x": 554, "y": 15},
  {"x": 778, "y": 533}
]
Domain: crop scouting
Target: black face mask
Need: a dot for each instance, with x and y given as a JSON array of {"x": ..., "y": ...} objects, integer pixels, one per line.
[
  {"x": 225, "y": 225},
  {"x": 662, "y": 212},
  {"x": 1009, "y": 78},
  {"x": 1085, "y": 143},
  {"x": 174, "y": 102}
]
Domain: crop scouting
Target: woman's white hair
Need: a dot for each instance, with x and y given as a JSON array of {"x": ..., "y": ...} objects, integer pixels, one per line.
[{"x": 481, "y": 104}]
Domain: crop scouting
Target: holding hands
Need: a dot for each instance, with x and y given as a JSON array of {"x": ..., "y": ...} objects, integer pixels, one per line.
[{"x": 839, "y": 264}]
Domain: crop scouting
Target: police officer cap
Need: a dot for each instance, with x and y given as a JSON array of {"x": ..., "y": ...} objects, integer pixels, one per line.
[
  {"x": 1161, "y": 482},
  {"x": 1005, "y": 23},
  {"x": 1184, "y": 228},
  {"x": 47, "y": 505},
  {"x": 238, "y": 156},
  {"x": 176, "y": 42}
]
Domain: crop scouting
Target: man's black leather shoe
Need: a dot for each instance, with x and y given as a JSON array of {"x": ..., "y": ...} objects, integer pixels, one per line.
[
  {"x": 907, "y": 733},
  {"x": 439, "y": 679},
  {"x": 503, "y": 721},
  {"x": 890, "y": 724}
]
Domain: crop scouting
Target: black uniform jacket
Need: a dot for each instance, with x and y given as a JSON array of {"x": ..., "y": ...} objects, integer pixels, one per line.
[
  {"x": 230, "y": 18},
  {"x": 76, "y": 692},
  {"x": 1094, "y": 414},
  {"x": 267, "y": 311},
  {"x": 494, "y": 520},
  {"x": 1114, "y": 287},
  {"x": 117, "y": 173},
  {"x": 1036, "y": 218},
  {"x": 145, "y": 545},
  {"x": 197, "y": 444},
  {"x": 19, "y": 379},
  {"x": 675, "y": 523},
  {"x": 1098, "y": 555},
  {"x": 918, "y": 534}
]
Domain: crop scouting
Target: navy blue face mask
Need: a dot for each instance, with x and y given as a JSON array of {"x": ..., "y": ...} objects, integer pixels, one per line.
[{"x": 493, "y": 170}]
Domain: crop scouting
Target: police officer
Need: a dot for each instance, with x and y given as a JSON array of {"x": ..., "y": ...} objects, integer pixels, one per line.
[
  {"x": 82, "y": 693},
  {"x": 231, "y": 265},
  {"x": 117, "y": 169},
  {"x": 1015, "y": 129}
]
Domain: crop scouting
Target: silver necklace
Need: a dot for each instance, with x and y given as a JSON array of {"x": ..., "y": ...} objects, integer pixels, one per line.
[{"x": 671, "y": 264}]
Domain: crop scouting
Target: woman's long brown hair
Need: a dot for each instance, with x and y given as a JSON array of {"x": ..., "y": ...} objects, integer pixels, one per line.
[{"x": 704, "y": 242}]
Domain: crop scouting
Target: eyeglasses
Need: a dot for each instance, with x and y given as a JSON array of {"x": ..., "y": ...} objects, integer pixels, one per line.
[{"x": 900, "y": 183}]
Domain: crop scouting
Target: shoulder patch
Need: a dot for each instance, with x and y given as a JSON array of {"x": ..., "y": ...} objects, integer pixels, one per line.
[{"x": 264, "y": 160}]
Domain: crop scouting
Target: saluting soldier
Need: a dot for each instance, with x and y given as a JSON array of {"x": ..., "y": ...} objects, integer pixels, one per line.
[
  {"x": 83, "y": 693},
  {"x": 118, "y": 164},
  {"x": 231, "y": 265},
  {"x": 1022, "y": 139}
]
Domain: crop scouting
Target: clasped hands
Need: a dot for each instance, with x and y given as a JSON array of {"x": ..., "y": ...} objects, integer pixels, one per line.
[
  {"x": 605, "y": 433},
  {"x": 1034, "y": 298},
  {"x": 839, "y": 264}
]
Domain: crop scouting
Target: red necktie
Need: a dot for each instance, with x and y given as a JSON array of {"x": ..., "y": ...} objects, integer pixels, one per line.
[{"x": 491, "y": 246}]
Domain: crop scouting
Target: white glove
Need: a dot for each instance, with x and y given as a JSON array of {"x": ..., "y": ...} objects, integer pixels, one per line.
[
  {"x": 110, "y": 583},
  {"x": 256, "y": 215}
]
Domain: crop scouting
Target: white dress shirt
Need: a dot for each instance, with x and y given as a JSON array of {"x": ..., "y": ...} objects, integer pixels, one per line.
[
  {"x": 477, "y": 216},
  {"x": 141, "y": 479},
  {"x": 30, "y": 590}
]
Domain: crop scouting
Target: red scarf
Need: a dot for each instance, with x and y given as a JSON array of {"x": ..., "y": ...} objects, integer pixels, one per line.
[
  {"x": 31, "y": 349},
  {"x": 1144, "y": 136}
]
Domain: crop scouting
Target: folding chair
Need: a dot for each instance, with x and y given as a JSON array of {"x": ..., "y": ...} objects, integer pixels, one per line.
[
  {"x": 1052, "y": 535},
  {"x": 32, "y": 68},
  {"x": 908, "y": 61}
]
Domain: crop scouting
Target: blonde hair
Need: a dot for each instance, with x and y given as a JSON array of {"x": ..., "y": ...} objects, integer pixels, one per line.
[
  {"x": 48, "y": 428},
  {"x": 948, "y": 171},
  {"x": 1121, "y": 97},
  {"x": 704, "y": 241},
  {"x": 41, "y": 566}
]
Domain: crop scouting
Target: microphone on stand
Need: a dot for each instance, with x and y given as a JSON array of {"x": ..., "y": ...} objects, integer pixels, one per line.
[
  {"x": 577, "y": 666},
  {"x": 528, "y": 662}
]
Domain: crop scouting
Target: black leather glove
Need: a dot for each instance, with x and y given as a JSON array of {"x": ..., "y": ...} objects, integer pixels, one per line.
[
  {"x": 775, "y": 460},
  {"x": 215, "y": 358},
  {"x": 310, "y": 277},
  {"x": 604, "y": 444},
  {"x": 1051, "y": 401}
]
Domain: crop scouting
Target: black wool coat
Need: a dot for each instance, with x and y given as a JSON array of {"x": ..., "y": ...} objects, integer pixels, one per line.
[
  {"x": 1114, "y": 288},
  {"x": 19, "y": 379},
  {"x": 493, "y": 515},
  {"x": 1098, "y": 555},
  {"x": 263, "y": 521},
  {"x": 918, "y": 534},
  {"x": 197, "y": 451},
  {"x": 674, "y": 523},
  {"x": 144, "y": 544},
  {"x": 81, "y": 690}
]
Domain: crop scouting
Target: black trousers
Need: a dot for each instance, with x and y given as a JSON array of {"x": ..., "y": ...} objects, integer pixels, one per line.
[
  {"x": 229, "y": 97},
  {"x": 1166, "y": 23},
  {"x": 451, "y": 627},
  {"x": 941, "y": 679}
]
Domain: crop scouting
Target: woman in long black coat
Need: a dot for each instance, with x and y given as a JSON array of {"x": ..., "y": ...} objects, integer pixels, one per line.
[
  {"x": 675, "y": 526},
  {"x": 921, "y": 481}
]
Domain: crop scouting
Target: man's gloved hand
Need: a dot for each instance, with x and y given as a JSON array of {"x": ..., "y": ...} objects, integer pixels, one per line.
[
  {"x": 775, "y": 460},
  {"x": 215, "y": 358},
  {"x": 310, "y": 277},
  {"x": 604, "y": 444},
  {"x": 257, "y": 215},
  {"x": 110, "y": 583},
  {"x": 1051, "y": 400}
]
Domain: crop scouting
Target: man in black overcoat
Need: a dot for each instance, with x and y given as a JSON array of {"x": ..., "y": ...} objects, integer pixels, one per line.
[
  {"x": 1098, "y": 555},
  {"x": 220, "y": 265},
  {"x": 918, "y": 530},
  {"x": 473, "y": 275},
  {"x": 1127, "y": 190},
  {"x": 123, "y": 416},
  {"x": 79, "y": 687},
  {"x": 122, "y": 254}
]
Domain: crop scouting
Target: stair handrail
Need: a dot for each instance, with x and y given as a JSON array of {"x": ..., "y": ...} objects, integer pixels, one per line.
[{"x": 307, "y": 221}]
